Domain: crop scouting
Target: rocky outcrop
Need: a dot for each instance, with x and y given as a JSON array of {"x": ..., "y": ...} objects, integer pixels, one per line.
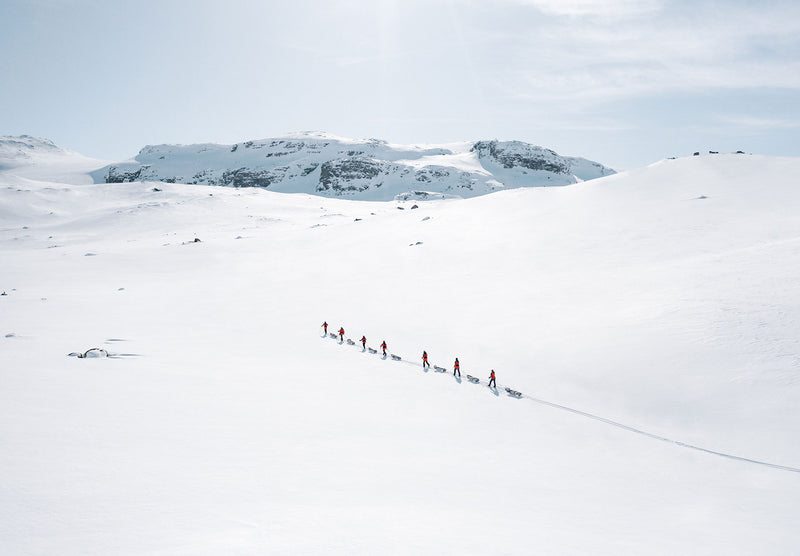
[
  {"x": 115, "y": 175},
  {"x": 245, "y": 177},
  {"x": 513, "y": 154},
  {"x": 351, "y": 174}
]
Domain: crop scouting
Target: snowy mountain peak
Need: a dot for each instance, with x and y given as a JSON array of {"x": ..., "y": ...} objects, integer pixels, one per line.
[
  {"x": 320, "y": 163},
  {"x": 325, "y": 136}
]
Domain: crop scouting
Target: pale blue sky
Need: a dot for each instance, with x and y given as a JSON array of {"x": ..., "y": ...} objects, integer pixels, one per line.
[{"x": 623, "y": 82}]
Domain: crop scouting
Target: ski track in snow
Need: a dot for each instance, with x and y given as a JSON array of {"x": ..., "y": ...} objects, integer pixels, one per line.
[
  {"x": 619, "y": 425},
  {"x": 657, "y": 437}
]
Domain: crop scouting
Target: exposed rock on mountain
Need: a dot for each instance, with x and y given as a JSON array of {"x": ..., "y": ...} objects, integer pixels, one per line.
[
  {"x": 514, "y": 154},
  {"x": 319, "y": 163}
]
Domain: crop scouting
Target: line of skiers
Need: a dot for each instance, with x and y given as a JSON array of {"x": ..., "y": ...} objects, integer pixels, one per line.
[
  {"x": 457, "y": 369},
  {"x": 363, "y": 338},
  {"x": 425, "y": 363}
]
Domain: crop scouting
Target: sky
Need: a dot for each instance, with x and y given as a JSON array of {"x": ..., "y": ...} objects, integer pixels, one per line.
[{"x": 622, "y": 82}]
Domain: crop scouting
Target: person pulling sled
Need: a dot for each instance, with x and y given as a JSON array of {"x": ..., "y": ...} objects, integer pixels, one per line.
[
  {"x": 341, "y": 334},
  {"x": 325, "y": 327},
  {"x": 383, "y": 347},
  {"x": 363, "y": 342},
  {"x": 425, "y": 360},
  {"x": 492, "y": 383},
  {"x": 457, "y": 368}
]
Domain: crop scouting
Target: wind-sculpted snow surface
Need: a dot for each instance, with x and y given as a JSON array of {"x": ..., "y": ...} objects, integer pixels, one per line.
[
  {"x": 322, "y": 164},
  {"x": 637, "y": 315}
]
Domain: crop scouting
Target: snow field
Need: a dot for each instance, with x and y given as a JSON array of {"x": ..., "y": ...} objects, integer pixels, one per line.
[{"x": 231, "y": 426}]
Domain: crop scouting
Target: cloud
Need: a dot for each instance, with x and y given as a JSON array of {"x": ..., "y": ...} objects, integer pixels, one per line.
[
  {"x": 671, "y": 47},
  {"x": 612, "y": 9},
  {"x": 751, "y": 123}
]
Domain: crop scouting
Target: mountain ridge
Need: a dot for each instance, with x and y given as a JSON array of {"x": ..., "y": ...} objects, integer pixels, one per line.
[{"x": 370, "y": 169}]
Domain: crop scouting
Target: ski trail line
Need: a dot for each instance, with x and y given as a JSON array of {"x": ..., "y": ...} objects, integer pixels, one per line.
[
  {"x": 661, "y": 438},
  {"x": 626, "y": 427}
]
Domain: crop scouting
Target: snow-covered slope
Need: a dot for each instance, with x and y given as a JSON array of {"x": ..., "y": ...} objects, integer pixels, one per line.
[
  {"x": 27, "y": 150},
  {"x": 662, "y": 301},
  {"x": 41, "y": 159},
  {"x": 322, "y": 164}
]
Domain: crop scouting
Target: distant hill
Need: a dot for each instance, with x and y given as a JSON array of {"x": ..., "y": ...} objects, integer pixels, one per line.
[
  {"x": 322, "y": 164},
  {"x": 40, "y": 159},
  {"x": 25, "y": 150}
]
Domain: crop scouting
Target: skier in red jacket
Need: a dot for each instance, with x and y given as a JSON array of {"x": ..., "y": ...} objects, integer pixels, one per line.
[
  {"x": 457, "y": 368},
  {"x": 492, "y": 383},
  {"x": 341, "y": 334},
  {"x": 383, "y": 347},
  {"x": 325, "y": 327},
  {"x": 425, "y": 360},
  {"x": 363, "y": 343}
]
